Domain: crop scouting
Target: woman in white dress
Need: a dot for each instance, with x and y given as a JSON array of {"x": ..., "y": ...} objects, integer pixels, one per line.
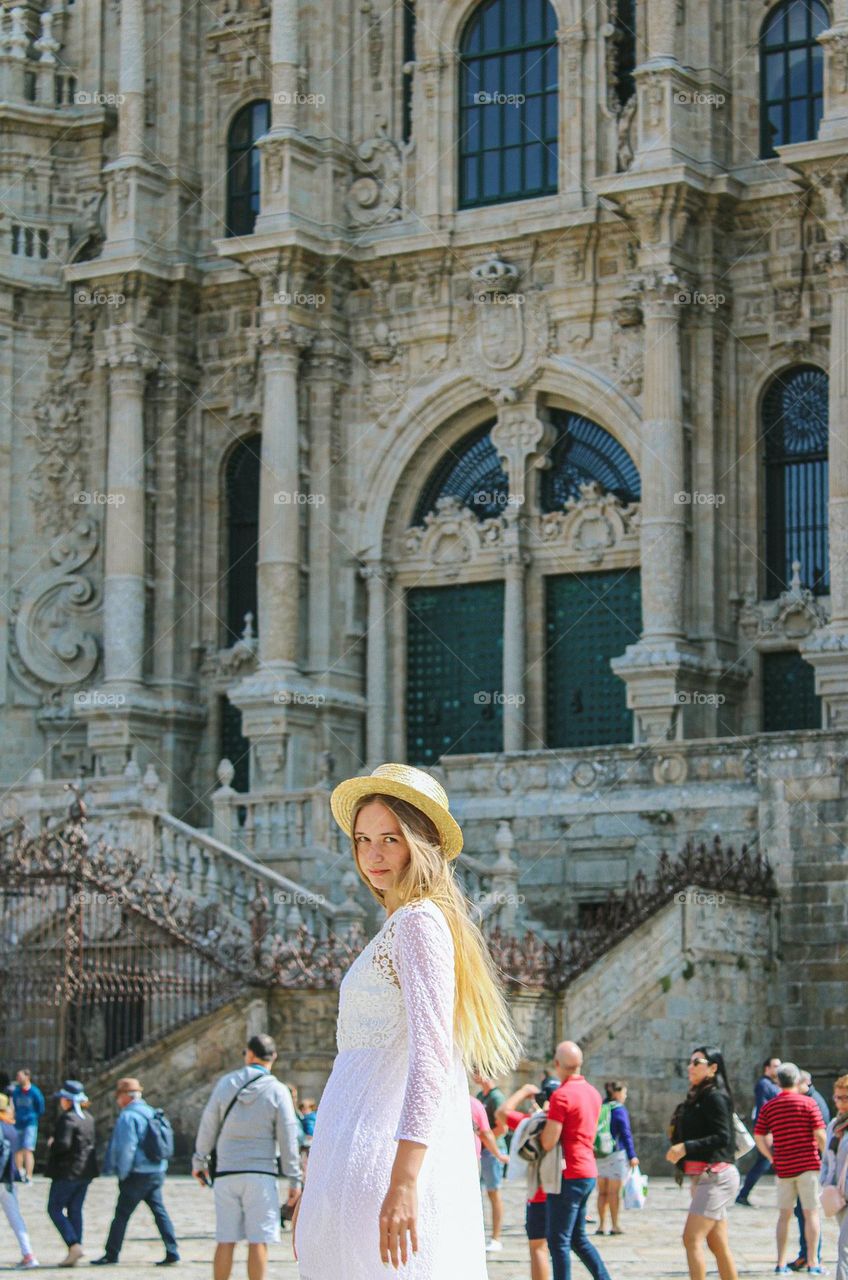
[{"x": 392, "y": 1177}]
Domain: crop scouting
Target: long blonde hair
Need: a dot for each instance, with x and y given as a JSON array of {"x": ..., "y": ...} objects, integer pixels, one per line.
[{"x": 483, "y": 1026}]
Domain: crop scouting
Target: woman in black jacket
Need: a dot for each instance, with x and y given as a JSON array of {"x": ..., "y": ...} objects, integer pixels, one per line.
[
  {"x": 71, "y": 1163},
  {"x": 704, "y": 1144}
]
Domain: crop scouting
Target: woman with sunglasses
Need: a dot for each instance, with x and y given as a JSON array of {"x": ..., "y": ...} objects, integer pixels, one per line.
[
  {"x": 834, "y": 1171},
  {"x": 703, "y": 1142}
]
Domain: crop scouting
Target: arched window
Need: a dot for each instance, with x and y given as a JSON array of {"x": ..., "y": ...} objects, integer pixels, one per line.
[
  {"x": 791, "y": 70},
  {"x": 795, "y": 428},
  {"x": 243, "y": 167},
  {"x": 242, "y": 499},
  {"x": 585, "y": 452},
  {"x": 508, "y": 113},
  {"x": 471, "y": 472}
]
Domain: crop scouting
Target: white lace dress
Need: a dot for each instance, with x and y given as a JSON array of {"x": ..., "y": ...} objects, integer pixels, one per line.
[{"x": 397, "y": 1075}]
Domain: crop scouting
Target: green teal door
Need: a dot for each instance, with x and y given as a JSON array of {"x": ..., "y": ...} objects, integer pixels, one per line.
[
  {"x": 590, "y": 618},
  {"x": 454, "y": 672},
  {"x": 790, "y": 700}
]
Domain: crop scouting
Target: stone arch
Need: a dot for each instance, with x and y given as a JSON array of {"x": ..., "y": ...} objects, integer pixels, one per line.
[{"x": 449, "y": 19}]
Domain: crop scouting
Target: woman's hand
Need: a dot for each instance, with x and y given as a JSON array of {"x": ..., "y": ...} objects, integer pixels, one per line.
[
  {"x": 676, "y": 1153},
  {"x": 399, "y": 1222}
]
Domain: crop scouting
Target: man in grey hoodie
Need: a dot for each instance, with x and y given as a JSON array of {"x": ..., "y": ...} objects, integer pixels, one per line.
[{"x": 247, "y": 1120}]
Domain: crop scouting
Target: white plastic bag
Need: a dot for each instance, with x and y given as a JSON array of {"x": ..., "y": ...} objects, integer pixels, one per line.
[{"x": 635, "y": 1190}]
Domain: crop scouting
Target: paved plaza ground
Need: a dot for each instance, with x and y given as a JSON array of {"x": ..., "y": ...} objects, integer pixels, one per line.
[{"x": 650, "y": 1249}]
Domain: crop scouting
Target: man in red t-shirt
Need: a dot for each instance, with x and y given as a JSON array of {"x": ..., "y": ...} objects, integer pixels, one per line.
[
  {"x": 573, "y": 1122},
  {"x": 790, "y": 1131}
]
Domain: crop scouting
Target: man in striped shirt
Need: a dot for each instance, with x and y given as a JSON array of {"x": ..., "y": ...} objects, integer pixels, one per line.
[{"x": 791, "y": 1132}]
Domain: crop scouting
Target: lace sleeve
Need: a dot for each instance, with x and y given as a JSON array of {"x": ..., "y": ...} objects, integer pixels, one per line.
[{"x": 424, "y": 962}]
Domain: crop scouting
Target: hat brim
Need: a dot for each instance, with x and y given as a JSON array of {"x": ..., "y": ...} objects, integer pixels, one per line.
[{"x": 347, "y": 794}]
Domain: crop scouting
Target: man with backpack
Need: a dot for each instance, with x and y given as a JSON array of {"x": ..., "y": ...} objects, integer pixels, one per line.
[
  {"x": 247, "y": 1120},
  {"x": 141, "y": 1144}
]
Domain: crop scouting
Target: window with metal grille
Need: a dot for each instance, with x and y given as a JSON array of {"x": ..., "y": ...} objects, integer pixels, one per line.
[
  {"x": 249, "y": 124},
  {"x": 795, "y": 430},
  {"x": 789, "y": 693},
  {"x": 471, "y": 472},
  {"x": 454, "y": 670},
  {"x": 590, "y": 618},
  {"x": 624, "y": 40},
  {"x": 584, "y": 451},
  {"x": 242, "y": 495},
  {"x": 791, "y": 74},
  {"x": 508, "y": 103}
]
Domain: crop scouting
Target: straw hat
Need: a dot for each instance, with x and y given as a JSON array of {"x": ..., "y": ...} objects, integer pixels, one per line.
[{"x": 405, "y": 783}]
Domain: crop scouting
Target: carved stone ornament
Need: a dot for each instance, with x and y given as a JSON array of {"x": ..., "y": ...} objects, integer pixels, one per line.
[
  {"x": 794, "y": 615},
  {"x": 451, "y": 536},
  {"x": 374, "y": 195},
  {"x": 119, "y": 187},
  {"x": 593, "y": 524},
  {"x": 628, "y": 345},
  {"x": 512, "y": 332},
  {"x": 55, "y": 480},
  {"x": 50, "y": 645}
]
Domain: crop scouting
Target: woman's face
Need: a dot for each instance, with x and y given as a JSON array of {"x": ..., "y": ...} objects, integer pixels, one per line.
[
  {"x": 840, "y": 1097},
  {"x": 699, "y": 1069},
  {"x": 381, "y": 850}
]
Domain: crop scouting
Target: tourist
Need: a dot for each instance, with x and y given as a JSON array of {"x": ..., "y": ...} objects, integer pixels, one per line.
[
  {"x": 808, "y": 1089},
  {"x": 834, "y": 1171},
  {"x": 765, "y": 1089},
  {"x": 703, "y": 1142},
  {"x": 392, "y": 1170},
  {"x": 790, "y": 1130},
  {"x": 614, "y": 1169},
  {"x": 71, "y": 1165},
  {"x": 249, "y": 1117},
  {"x": 535, "y": 1099},
  {"x": 28, "y": 1102},
  {"x": 10, "y": 1174},
  {"x": 491, "y": 1165},
  {"x": 572, "y": 1121},
  {"x": 140, "y": 1178},
  {"x": 308, "y": 1116},
  {"x": 483, "y": 1133}
]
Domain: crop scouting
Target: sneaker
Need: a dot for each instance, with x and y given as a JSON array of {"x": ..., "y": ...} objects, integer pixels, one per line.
[
  {"x": 169, "y": 1260},
  {"x": 799, "y": 1264},
  {"x": 27, "y": 1264},
  {"x": 816, "y": 1271},
  {"x": 782, "y": 1271},
  {"x": 494, "y": 1246}
]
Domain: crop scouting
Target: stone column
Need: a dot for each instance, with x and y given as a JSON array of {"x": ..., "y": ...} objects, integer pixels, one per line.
[
  {"x": 515, "y": 562},
  {"x": 124, "y": 536},
  {"x": 284, "y": 65},
  {"x": 131, "y": 79},
  {"x": 662, "y": 30},
  {"x": 663, "y": 536},
  {"x": 377, "y": 577},
  {"x": 278, "y": 570}
]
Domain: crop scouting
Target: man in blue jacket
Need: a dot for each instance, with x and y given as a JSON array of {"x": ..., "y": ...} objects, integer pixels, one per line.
[
  {"x": 765, "y": 1089},
  {"x": 28, "y": 1101},
  {"x": 139, "y": 1177}
]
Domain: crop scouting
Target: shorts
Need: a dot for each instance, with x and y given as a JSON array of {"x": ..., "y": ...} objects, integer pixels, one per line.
[
  {"x": 491, "y": 1171},
  {"x": 247, "y": 1207},
  {"x": 615, "y": 1166},
  {"x": 28, "y": 1135},
  {"x": 712, "y": 1192},
  {"x": 804, "y": 1187},
  {"x": 535, "y": 1220}
]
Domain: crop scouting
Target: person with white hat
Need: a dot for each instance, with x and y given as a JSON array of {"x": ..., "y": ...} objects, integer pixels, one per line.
[
  {"x": 71, "y": 1165},
  {"x": 392, "y": 1176}
]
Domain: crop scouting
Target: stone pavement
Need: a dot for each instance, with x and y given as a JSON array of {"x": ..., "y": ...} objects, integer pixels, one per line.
[{"x": 650, "y": 1249}]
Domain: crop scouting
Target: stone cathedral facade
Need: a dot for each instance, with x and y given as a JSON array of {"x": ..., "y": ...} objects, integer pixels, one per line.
[{"x": 452, "y": 381}]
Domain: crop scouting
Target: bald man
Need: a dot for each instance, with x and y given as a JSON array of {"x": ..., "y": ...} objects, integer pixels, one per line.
[{"x": 572, "y": 1122}]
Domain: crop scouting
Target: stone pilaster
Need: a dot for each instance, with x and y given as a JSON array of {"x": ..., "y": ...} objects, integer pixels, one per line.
[
  {"x": 834, "y": 122},
  {"x": 516, "y": 562},
  {"x": 377, "y": 577}
]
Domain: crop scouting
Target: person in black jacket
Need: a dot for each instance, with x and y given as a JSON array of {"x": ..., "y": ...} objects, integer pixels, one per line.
[
  {"x": 704, "y": 1143},
  {"x": 71, "y": 1163}
]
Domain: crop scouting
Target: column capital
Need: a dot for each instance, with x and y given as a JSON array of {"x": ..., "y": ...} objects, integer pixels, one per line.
[
  {"x": 125, "y": 351},
  {"x": 376, "y": 573},
  {"x": 662, "y": 292},
  {"x": 280, "y": 339},
  {"x": 522, "y": 440},
  {"x": 833, "y": 256}
]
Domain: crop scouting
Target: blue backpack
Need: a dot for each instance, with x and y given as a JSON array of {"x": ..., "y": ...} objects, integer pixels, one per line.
[{"x": 158, "y": 1140}]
